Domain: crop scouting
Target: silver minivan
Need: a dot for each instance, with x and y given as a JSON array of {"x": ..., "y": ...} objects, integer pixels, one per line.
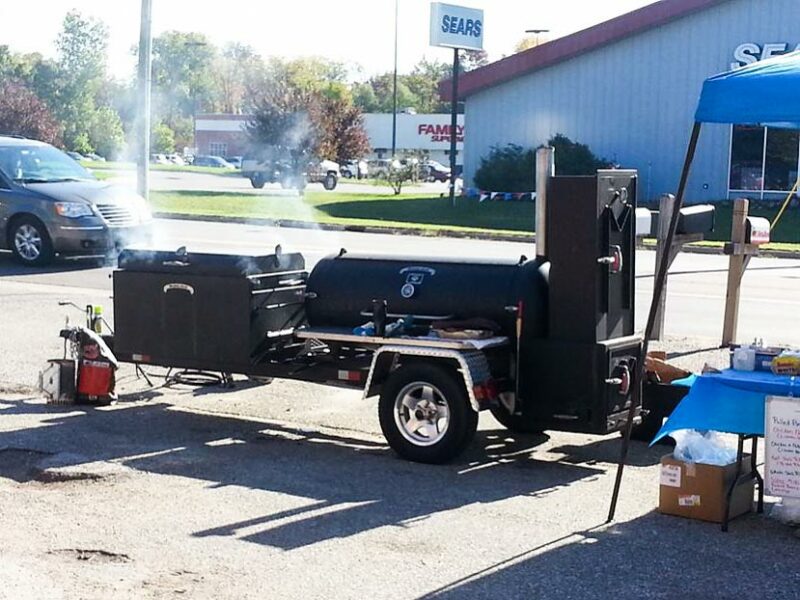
[{"x": 51, "y": 206}]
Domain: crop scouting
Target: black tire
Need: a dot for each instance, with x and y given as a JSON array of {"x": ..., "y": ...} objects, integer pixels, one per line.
[
  {"x": 257, "y": 181},
  {"x": 515, "y": 423},
  {"x": 330, "y": 181},
  {"x": 461, "y": 425},
  {"x": 30, "y": 242}
]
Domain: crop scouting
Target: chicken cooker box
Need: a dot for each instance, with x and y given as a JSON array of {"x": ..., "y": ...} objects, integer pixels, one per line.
[{"x": 697, "y": 491}]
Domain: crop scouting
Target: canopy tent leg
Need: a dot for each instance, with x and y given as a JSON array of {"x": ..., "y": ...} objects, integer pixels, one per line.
[{"x": 658, "y": 288}]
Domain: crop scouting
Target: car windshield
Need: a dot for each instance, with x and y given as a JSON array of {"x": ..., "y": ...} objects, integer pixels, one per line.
[{"x": 40, "y": 164}]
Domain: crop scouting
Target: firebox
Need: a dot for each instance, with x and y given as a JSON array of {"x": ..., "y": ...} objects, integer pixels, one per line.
[{"x": 199, "y": 310}]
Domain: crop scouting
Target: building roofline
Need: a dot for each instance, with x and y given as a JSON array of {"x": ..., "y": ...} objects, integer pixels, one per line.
[{"x": 570, "y": 46}]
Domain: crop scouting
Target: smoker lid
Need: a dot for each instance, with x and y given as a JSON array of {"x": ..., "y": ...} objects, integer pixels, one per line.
[
  {"x": 402, "y": 258},
  {"x": 203, "y": 263}
]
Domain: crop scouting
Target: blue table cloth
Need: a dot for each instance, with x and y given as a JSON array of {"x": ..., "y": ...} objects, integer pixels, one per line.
[{"x": 730, "y": 402}]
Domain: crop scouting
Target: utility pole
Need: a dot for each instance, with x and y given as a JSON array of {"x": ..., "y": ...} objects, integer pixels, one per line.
[
  {"x": 144, "y": 85},
  {"x": 394, "y": 84},
  {"x": 454, "y": 128}
]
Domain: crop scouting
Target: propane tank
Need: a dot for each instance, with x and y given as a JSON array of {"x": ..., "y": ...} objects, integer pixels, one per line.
[{"x": 96, "y": 369}]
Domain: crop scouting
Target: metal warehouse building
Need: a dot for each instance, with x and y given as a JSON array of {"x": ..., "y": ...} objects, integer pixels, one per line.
[{"x": 628, "y": 88}]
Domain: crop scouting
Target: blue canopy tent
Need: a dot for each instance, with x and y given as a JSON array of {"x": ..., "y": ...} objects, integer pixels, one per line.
[{"x": 766, "y": 93}]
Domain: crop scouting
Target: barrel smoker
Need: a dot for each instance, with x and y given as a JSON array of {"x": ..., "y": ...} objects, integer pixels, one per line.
[{"x": 542, "y": 343}]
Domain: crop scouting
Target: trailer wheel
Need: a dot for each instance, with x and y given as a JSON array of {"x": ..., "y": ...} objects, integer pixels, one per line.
[
  {"x": 330, "y": 181},
  {"x": 425, "y": 414},
  {"x": 515, "y": 423},
  {"x": 257, "y": 181}
]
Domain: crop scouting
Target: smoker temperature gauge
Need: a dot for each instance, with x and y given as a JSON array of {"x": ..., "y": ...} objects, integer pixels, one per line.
[{"x": 408, "y": 291}]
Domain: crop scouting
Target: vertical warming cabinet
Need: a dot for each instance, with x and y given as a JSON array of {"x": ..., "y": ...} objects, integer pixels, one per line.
[{"x": 580, "y": 377}]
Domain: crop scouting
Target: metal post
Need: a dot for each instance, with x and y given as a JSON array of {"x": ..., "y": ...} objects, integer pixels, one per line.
[
  {"x": 545, "y": 169},
  {"x": 665, "y": 207},
  {"x": 453, "y": 129},
  {"x": 658, "y": 289},
  {"x": 144, "y": 84},
  {"x": 394, "y": 84},
  {"x": 736, "y": 267}
]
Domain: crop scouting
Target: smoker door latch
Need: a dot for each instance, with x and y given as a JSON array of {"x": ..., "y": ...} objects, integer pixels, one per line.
[
  {"x": 622, "y": 381},
  {"x": 614, "y": 260}
]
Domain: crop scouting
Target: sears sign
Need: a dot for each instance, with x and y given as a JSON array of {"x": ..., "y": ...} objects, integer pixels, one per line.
[{"x": 456, "y": 26}]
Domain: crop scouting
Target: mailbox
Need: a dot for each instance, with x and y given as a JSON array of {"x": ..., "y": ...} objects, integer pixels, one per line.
[
  {"x": 696, "y": 219},
  {"x": 644, "y": 222},
  {"x": 757, "y": 231}
]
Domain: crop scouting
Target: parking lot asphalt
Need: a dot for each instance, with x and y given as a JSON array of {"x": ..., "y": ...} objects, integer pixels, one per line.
[{"x": 287, "y": 490}]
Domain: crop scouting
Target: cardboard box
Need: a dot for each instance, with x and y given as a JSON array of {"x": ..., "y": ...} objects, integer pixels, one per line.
[{"x": 698, "y": 491}]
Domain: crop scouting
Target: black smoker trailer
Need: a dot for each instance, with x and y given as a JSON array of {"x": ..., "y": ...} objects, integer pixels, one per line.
[{"x": 571, "y": 368}]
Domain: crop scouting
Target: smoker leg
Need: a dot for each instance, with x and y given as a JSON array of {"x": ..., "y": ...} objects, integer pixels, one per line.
[
  {"x": 140, "y": 372},
  {"x": 757, "y": 475},
  {"x": 227, "y": 380}
]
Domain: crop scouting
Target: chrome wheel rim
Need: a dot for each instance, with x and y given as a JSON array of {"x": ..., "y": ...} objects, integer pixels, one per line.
[
  {"x": 28, "y": 242},
  {"x": 421, "y": 413}
]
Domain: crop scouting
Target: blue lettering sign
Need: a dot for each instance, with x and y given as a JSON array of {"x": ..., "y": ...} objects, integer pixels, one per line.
[
  {"x": 445, "y": 23},
  {"x": 476, "y": 31}
]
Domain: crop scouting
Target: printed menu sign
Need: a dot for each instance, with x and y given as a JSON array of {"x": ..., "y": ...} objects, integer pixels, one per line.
[{"x": 782, "y": 442}]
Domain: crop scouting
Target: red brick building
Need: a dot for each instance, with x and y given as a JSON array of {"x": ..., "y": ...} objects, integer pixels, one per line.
[{"x": 221, "y": 135}]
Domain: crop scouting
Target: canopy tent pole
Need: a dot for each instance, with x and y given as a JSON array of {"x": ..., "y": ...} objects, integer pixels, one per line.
[{"x": 658, "y": 289}]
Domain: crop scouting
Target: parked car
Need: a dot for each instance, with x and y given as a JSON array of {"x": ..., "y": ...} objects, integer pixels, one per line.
[
  {"x": 76, "y": 156},
  {"x": 379, "y": 168},
  {"x": 271, "y": 165},
  {"x": 176, "y": 159},
  {"x": 160, "y": 159},
  {"x": 50, "y": 205},
  {"x": 216, "y": 162},
  {"x": 95, "y": 157},
  {"x": 358, "y": 169},
  {"x": 236, "y": 161},
  {"x": 434, "y": 171}
]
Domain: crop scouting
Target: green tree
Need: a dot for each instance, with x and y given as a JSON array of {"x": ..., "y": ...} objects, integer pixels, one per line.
[
  {"x": 238, "y": 72},
  {"x": 184, "y": 133},
  {"x": 322, "y": 122},
  {"x": 365, "y": 98},
  {"x": 473, "y": 59},
  {"x": 105, "y": 132},
  {"x": 183, "y": 74},
  {"x": 81, "y": 46},
  {"x": 162, "y": 140},
  {"x": 382, "y": 87},
  {"x": 282, "y": 119},
  {"x": 82, "y": 144},
  {"x": 423, "y": 81}
]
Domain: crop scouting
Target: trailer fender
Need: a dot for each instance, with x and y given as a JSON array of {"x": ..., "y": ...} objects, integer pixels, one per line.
[{"x": 471, "y": 365}]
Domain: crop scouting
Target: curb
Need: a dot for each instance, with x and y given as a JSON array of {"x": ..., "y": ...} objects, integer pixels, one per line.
[
  {"x": 437, "y": 233},
  {"x": 444, "y": 233}
]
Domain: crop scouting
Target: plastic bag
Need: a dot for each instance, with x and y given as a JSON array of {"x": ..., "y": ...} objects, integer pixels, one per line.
[
  {"x": 787, "y": 511},
  {"x": 708, "y": 449}
]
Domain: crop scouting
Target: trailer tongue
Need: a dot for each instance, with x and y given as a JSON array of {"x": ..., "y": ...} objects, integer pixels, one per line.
[{"x": 544, "y": 344}]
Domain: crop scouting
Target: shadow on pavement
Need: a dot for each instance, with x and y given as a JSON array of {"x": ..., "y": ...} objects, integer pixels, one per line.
[
  {"x": 654, "y": 556},
  {"x": 10, "y": 267},
  {"x": 354, "y": 484}
]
